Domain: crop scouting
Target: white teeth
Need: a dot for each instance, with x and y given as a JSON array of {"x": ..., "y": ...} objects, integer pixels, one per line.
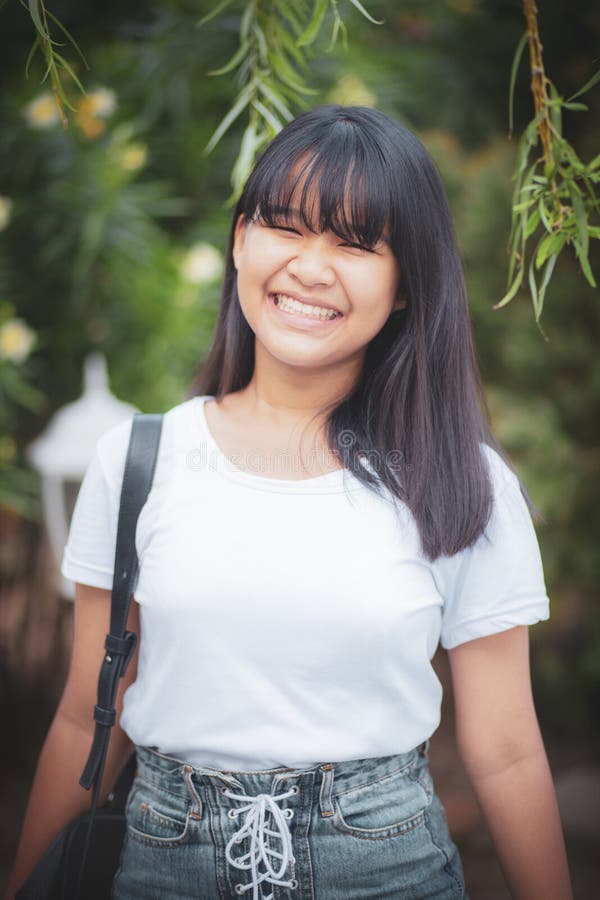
[{"x": 289, "y": 304}]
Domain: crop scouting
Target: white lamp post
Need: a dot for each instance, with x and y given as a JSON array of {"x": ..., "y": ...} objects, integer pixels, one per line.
[{"x": 62, "y": 452}]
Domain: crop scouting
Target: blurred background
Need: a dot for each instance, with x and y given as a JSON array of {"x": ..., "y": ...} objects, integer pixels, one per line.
[{"x": 111, "y": 247}]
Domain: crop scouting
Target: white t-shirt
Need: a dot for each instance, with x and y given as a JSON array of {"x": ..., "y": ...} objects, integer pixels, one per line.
[{"x": 291, "y": 622}]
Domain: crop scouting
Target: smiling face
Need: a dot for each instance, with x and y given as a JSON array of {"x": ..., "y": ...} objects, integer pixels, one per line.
[{"x": 311, "y": 297}]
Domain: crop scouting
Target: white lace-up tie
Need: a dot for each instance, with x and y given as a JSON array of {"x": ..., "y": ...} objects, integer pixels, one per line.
[{"x": 256, "y": 827}]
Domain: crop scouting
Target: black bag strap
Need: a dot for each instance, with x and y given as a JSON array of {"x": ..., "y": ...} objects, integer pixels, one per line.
[{"x": 120, "y": 644}]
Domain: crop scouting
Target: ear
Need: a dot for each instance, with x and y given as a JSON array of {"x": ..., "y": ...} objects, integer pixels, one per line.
[
  {"x": 400, "y": 302},
  {"x": 239, "y": 236}
]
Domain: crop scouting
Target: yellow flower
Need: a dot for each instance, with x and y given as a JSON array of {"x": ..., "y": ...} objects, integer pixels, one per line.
[
  {"x": 92, "y": 108},
  {"x": 42, "y": 112},
  {"x": 201, "y": 264},
  {"x": 91, "y": 127},
  {"x": 5, "y": 210},
  {"x": 102, "y": 102},
  {"x": 133, "y": 157},
  {"x": 16, "y": 340},
  {"x": 351, "y": 90}
]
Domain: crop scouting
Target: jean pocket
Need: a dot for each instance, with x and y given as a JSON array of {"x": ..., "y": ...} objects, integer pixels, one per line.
[
  {"x": 388, "y": 807},
  {"x": 157, "y": 817}
]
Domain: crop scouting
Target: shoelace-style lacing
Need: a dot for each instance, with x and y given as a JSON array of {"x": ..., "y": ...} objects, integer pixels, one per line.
[{"x": 255, "y": 826}]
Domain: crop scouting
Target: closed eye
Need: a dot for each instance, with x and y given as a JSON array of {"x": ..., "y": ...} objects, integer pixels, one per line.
[
  {"x": 358, "y": 247},
  {"x": 283, "y": 228}
]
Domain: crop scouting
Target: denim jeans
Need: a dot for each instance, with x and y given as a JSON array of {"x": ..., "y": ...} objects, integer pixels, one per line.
[{"x": 369, "y": 828}]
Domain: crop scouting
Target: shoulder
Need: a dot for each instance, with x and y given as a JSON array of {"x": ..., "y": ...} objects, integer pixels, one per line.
[
  {"x": 502, "y": 476},
  {"x": 112, "y": 445},
  {"x": 510, "y": 512}
]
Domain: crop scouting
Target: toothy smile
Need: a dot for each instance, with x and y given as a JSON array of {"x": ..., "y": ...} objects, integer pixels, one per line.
[{"x": 291, "y": 305}]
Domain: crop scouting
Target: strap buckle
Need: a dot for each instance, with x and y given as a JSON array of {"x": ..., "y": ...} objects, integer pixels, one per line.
[{"x": 124, "y": 647}]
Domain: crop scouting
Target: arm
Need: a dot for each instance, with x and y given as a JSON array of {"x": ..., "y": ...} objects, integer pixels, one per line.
[
  {"x": 503, "y": 753},
  {"x": 56, "y": 796}
]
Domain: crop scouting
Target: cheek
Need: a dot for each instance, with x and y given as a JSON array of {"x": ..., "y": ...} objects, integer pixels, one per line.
[
  {"x": 258, "y": 262},
  {"x": 374, "y": 289}
]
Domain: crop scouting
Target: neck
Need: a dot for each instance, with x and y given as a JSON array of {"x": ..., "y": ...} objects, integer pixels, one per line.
[{"x": 284, "y": 394}]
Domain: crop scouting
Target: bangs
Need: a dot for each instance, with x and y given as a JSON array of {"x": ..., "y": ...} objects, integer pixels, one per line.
[{"x": 339, "y": 184}]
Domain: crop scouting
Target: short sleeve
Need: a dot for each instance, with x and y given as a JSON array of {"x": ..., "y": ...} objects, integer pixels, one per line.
[
  {"x": 89, "y": 554},
  {"x": 498, "y": 582}
]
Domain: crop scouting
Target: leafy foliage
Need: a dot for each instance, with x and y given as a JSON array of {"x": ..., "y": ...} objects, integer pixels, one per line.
[
  {"x": 271, "y": 65},
  {"x": 554, "y": 198},
  {"x": 57, "y": 66}
]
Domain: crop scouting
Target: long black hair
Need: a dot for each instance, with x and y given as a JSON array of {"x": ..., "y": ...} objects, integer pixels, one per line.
[{"x": 417, "y": 412}]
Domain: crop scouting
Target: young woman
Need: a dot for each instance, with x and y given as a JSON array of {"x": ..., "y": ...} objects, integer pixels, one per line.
[{"x": 329, "y": 503}]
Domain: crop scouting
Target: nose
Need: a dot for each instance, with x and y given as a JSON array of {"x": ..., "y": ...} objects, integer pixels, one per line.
[{"x": 311, "y": 263}]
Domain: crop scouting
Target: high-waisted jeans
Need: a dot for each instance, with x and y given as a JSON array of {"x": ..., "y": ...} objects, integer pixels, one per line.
[{"x": 368, "y": 828}]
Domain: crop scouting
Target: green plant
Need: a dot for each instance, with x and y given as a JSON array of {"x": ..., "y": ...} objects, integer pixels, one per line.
[
  {"x": 57, "y": 66},
  {"x": 554, "y": 200},
  {"x": 271, "y": 64},
  {"x": 18, "y": 485}
]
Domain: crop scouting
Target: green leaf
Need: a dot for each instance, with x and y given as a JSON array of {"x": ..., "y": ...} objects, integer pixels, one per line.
[
  {"x": 289, "y": 12},
  {"x": 585, "y": 264},
  {"x": 34, "y": 12},
  {"x": 238, "y": 107},
  {"x": 516, "y": 238},
  {"x": 544, "y": 215},
  {"x": 576, "y": 106},
  {"x": 235, "y": 60},
  {"x": 246, "y": 21},
  {"x": 549, "y": 245},
  {"x": 589, "y": 84},
  {"x": 522, "y": 159},
  {"x": 271, "y": 94},
  {"x": 69, "y": 36},
  {"x": 530, "y": 135},
  {"x": 262, "y": 42},
  {"x": 546, "y": 281},
  {"x": 310, "y": 33},
  {"x": 533, "y": 290},
  {"x": 31, "y": 54},
  {"x": 268, "y": 116},
  {"x": 292, "y": 52},
  {"x": 288, "y": 75},
  {"x": 282, "y": 41},
  {"x": 556, "y": 118},
  {"x": 357, "y": 5},
  {"x": 511, "y": 292},
  {"x": 339, "y": 27},
  {"x": 523, "y": 205},
  {"x": 69, "y": 69},
  {"x": 532, "y": 223},
  {"x": 580, "y": 217},
  {"x": 243, "y": 163},
  {"x": 217, "y": 10},
  {"x": 513, "y": 78}
]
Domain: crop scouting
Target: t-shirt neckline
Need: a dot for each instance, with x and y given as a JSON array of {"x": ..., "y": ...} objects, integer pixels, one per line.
[{"x": 329, "y": 483}]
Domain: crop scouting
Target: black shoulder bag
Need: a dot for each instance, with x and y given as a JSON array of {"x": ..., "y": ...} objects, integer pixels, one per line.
[{"x": 82, "y": 861}]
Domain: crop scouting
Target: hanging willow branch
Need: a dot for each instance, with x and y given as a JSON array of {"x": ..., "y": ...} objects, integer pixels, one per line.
[
  {"x": 554, "y": 200},
  {"x": 57, "y": 67},
  {"x": 271, "y": 65}
]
